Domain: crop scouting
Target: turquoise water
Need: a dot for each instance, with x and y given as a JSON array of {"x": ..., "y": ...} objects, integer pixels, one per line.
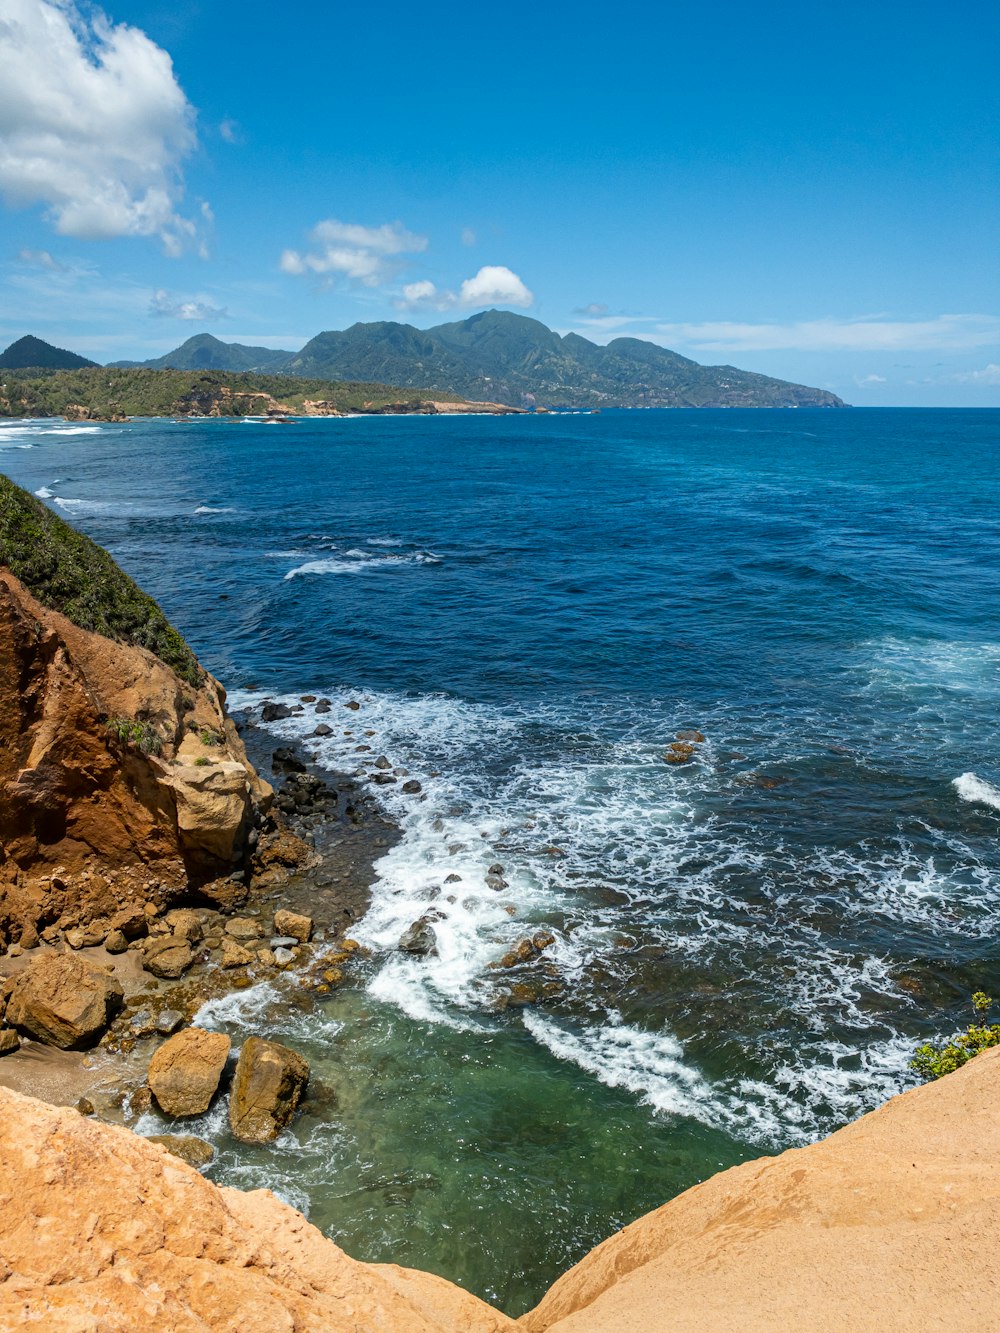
[{"x": 747, "y": 947}]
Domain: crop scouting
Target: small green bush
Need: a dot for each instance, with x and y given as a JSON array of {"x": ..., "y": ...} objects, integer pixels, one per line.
[
  {"x": 202, "y": 761},
  {"x": 209, "y": 736},
  {"x": 932, "y": 1061},
  {"x": 139, "y": 736}
]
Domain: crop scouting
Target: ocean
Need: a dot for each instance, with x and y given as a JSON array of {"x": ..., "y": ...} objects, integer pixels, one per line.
[{"x": 747, "y": 947}]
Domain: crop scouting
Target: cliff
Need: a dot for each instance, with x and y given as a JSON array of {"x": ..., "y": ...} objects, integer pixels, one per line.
[
  {"x": 102, "y": 1230},
  {"x": 887, "y": 1225},
  {"x": 121, "y": 777}
]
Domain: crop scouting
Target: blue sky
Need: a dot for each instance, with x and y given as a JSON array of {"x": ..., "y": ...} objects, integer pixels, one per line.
[{"x": 808, "y": 191}]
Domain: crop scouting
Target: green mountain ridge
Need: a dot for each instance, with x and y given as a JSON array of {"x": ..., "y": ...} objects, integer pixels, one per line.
[
  {"x": 30, "y": 353},
  {"x": 496, "y": 356}
]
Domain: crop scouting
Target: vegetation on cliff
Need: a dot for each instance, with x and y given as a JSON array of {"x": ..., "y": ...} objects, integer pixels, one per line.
[
  {"x": 932, "y": 1061},
  {"x": 31, "y": 351},
  {"x": 111, "y": 392},
  {"x": 69, "y": 573}
]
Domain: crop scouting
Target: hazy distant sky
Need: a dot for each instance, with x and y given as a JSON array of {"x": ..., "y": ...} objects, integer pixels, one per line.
[{"x": 812, "y": 191}]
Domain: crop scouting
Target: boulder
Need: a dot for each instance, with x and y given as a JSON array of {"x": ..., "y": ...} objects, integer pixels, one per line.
[
  {"x": 133, "y": 921},
  {"x": 234, "y": 954},
  {"x": 188, "y": 1147},
  {"x": 168, "y": 1021},
  {"x": 167, "y": 956},
  {"x": 244, "y": 928},
  {"x": 267, "y": 1088},
  {"x": 9, "y": 1041},
  {"x": 294, "y": 924},
  {"x": 64, "y": 1001},
  {"x": 285, "y": 760},
  {"x": 184, "y": 1073},
  {"x": 115, "y": 942},
  {"x": 186, "y": 922},
  {"x": 272, "y": 712},
  {"x": 419, "y": 938}
]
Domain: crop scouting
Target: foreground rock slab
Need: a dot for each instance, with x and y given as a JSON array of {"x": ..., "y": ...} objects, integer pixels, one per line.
[
  {"x": 267, "y": 1088},
  {"x": 64, "y": 1001},
  {"x": 185, "y": 1071},
  {"x": 101, "y": 1230},
  {"x": 878, "y": 1229}
]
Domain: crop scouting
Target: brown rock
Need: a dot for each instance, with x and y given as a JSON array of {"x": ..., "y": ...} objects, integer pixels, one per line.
[
  {"x": 267, "y": 1088},
  {"x": 244, "y": 928},
  {"x": 132, "y": 921},
  {"x": 690, "y": 735},
  {"x": 680, "y": 752},
  {"x": 292, "y": 923},
  {"x": 105, "y": 1231},
  {"x": 167, "y": 956},
  {"x": 188, "y": 1147},
  {"x": 185, "y": 922},
  {"x": 184, "y": 1073},
  {"x": 64, "y": 1001},
  {"x": 234, "y": 954},
  {"x": 115, "y": 942},
  {"x": 9, "y": 1041}
]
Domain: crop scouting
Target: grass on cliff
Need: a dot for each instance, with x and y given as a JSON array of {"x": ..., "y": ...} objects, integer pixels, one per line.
[{"x": 69, "y": 573}]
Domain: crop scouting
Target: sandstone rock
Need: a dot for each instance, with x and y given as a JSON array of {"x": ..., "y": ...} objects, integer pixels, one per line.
[
  {"x": 168, "y": 1021},
  {"x": 234, "y": 954},
  {"x": 64, "y": 1001},
  {"x": 293, "y": 923},
  {"x": 267, "y": 1088},
  {"x": 115, "y": 942},
  {"x": 132, "y": 921},
  {"x": 167, "y": 956},
  {"x": 283, "y": 957},
  {"x": 244, "y": 928},
  {"x": 184, "y": 1073},
  {"x": 690, "y": 735},
  {"x": 282, "y": 942},
  {"x": 105, "y": 1231},
  {"x": 188, "y": 1147},
  {"x": 9, "y": 1041},
  {"x": 85, "y": 1107},
  {"x": 185, "y": 922},
  {"x": 680, "y": 752}
]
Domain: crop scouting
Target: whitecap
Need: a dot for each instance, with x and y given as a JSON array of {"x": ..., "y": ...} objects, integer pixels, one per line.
[
  {"x": 44, "y": 493},
  {"x": 210, "y": 509},
  {"x": 976, "y": 789}
]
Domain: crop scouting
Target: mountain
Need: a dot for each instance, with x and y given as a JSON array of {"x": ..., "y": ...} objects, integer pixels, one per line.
[
  {"x": 500, "y": 357},
  {"x": 203, "y": 352},
  {"x": 510, "y": 358},
  {"x": 29, "y": 352}
]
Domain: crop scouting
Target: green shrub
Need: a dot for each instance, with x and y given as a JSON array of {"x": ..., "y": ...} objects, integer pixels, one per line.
[
  {"x": 69, "y": 573},
  {"x": 202, "y": 761},
  {"x": 140, "y": 736},
  {"x": 932, "y": 1061},
  {"x": 209, "y": 736}
]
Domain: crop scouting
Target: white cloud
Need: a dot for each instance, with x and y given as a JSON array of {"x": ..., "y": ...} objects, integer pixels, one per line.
[
  {"x": 363, "y": 254},
  {"x": 988, "y": 375},
  {"x": 871, "y": 379},
  {"x": 40, "y": 259},
  {"x": 468, "y": 236},
  {"x": 229, "y": 130},
  {"x": 494, "y": 285},
  {"x": 944, "y": 333},
  {"x": 93, "y": 124},
  {"x": 595, "y": 310},
  {"x": 164, "y": 306}
]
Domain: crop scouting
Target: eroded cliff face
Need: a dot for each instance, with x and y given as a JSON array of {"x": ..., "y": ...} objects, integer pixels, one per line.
[
  {"x": 114, "y": 774},
  {"x": 102, "y": 1230},
  {"x": 886, "y": 1226}
]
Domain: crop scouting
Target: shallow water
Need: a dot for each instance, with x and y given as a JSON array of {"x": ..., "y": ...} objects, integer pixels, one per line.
[{"x": 749, "y": 946}]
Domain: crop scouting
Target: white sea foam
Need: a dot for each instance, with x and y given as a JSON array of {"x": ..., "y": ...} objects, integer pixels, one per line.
[
  {"x": 72, "y": 430},
  {"x": 44, "y": 493},
  {"x": 354, "y": 561},
  {"x": 976, "y": 789},
  {"x": 212, "y": 509}
]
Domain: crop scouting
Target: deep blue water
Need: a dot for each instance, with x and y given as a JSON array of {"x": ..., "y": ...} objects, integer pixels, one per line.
[{"x": 749, "y": 946}]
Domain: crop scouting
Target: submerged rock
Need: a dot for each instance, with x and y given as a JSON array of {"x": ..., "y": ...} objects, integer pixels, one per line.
[
  {"x": 267, "y": 1088},
  {"x": 64, "y": 1001},
  {"x": 188, "y": 1147},
  {"x": 184, "y": 1073}
]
